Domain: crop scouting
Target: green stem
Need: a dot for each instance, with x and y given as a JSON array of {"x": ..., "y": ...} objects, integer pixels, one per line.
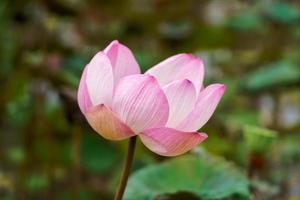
[{"x": 126, "y": 169}]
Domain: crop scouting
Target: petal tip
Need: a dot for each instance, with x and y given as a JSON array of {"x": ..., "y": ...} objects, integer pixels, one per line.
[
  {"x": 222, "y": 87},
  {"x": 218, "y": 87},
  {"x": 192, "y": 57},
  {"x": 203, "y": 136},
  {"x": 188, "y": 56},
  {"x": 114, "y": 43},
  {"x": 99, "y": 54}
]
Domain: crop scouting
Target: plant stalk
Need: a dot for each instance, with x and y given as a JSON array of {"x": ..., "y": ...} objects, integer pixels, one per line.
[{"x": 126, "y": 169}]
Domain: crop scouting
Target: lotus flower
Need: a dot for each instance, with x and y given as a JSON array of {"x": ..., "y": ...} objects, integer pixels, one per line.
[{"x": 165, "y": 106}]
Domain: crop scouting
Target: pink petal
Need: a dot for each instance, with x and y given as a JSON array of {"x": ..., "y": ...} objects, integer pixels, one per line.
[
  {"x": 178, "y": 67},
  {"x": 104, "y": 122},
  {"x": 181, "y": 96},
  {"x": 122, "y": 60},
  {"x": 170, "y": 142},
  {"x": 83, "y": 96},
  {"x": 140, "y": 102},
  {"x": 99, "y": 79},
  {"x": 205, "y": 106}
]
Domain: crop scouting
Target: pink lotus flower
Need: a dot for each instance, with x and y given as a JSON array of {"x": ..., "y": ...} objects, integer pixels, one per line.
[{"x": 165, "y": 106}]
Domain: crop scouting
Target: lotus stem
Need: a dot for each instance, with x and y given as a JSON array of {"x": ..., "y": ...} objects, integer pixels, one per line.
[{"x": 126, "y": 169}]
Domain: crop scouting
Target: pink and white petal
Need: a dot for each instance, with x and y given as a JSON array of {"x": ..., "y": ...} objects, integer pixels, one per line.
[
  {"x": 99, "y": 79},
  {"x": 170, "y": 142},
  {"x": 205, "y": 106},
  {"x": 178, "y": 67},
  {"x": 140, "y": 102},
  {"x": 104, "y": 122},
  {"x": 83, "y": 97},
  {"x": 181, "y": 96},
  {"x": 122, "y": 60}
]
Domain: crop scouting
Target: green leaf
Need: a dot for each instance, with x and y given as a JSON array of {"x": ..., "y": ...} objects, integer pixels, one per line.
[
  {"x": 97, "y": 155},
  {"x": 289, "y": 149},
  {"x": 246, "y": 21},
  {"x": 259, "y": 139},
  {"x": 176, "y": 30},
  {"x": 16, "y": 155},
  {"x": 235, "y": 119},
  {"x": 36, "y": 182},
  {"x": 208, "y": 178},
  {"x": 146, "y": 59},
  {"x": 275, "y": 74},
  {"x": 18, "y": 109},
  {"x": 283, "y": 12}
]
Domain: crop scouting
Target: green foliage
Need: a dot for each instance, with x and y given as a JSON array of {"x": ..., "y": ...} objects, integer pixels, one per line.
[
  {"x": 246, "y": 21},
  {"x": 97, "y": 156},
  {"x": 145, "y": 59},
  {"x": 16, "y": 155},
  {"x": 283, "y": 12},
  {"x": 259, "y": 139},
  {"x": 7, "y": 44},
  {"x": 289, "y": 149},
  {"x": 36, "y": 182},
  {"x": 18, "y": 94},
  {"x": 272, "y": 75},
  {"x": 236, "y": 119},
  {"x": 208, "y": 178},
  {"x": 178, "y": 30}
]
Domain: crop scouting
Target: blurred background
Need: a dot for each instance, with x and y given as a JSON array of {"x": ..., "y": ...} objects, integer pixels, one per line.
[{"x": 47, "y": 149}]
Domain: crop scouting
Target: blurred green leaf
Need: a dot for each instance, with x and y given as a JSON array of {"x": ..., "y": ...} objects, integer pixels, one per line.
[
  {"x": 18, "y": 107},
  {"x": 96, "y": 154},
  {"x": 208, "y": 178},
  {"x": 177, "y": 30},
  {"x": 223, "y": 146},
  {"x": 54, "y": 111},
  {"x": 283, "y": 12},
  {"x": 289, "y": 149},
  {"x": 36, "y": 182},
  {"x": 236, "y": 119},
  {"x": 259, "y": 139},
  {"x": 8, "y": 45},
  {"x": 146, "y": 59},
  {"x": 74, "y": 64},
  {"x": 16, "y": 155},
  {"x": 275, "y": 74},
  {"x": 246, "y": 21}
]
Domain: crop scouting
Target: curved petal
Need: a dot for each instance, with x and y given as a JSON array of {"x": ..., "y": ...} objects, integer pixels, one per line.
[
  {"x": 178, "y": 67},
  {"x": 170, "y": 142},
  {"x": 140, "y": 102},
  {"x": 181, "y": 96},
  {"x": 104, "y": 122},
  {"x": 99, "y": 79},
  {"x": 122, "y": 60},
  {"x": 205, "y": 106},
  {"x": 83, "y": 97}
]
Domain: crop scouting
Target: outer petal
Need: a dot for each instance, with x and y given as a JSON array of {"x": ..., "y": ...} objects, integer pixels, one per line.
[
  {"x": 107, "y": 124},
  {"x": 122, "y": 60},
  {"x": 170, "y": 142},
  {"x": 99, "y": 79},
  {"x": 181, "y": 96},
  {"x": 206, "y": 104},
  {"x": 140, "y": 102},
  {"x": 83, "y": 96},
  {"x": 178, "y": 67}
]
